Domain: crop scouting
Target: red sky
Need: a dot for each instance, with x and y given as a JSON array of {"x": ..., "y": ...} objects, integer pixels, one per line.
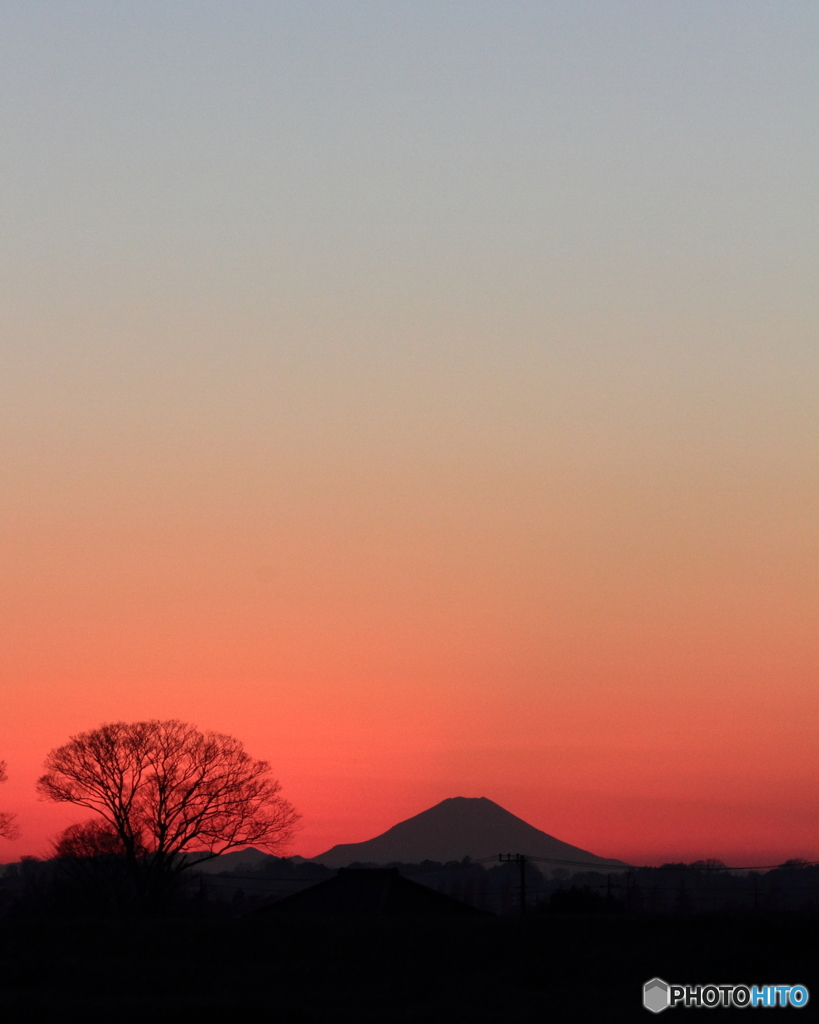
[{"x": 627, "y": 664}]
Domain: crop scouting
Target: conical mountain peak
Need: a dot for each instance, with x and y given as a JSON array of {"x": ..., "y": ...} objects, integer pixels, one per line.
[{"x": 455, "y": 828}]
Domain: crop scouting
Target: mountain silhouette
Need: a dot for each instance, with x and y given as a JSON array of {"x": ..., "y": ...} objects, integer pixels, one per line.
[
  {"x": 235, "y": 860},
  {"x": 456, "y": 828}
]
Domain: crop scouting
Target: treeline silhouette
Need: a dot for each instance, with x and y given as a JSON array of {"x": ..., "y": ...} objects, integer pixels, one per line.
[
  {"x": 697, "y": 888},
  {"x": 103, "y": 885},
  {"x": 75, "y": 945},
  {"x": 205, "y": 958}
]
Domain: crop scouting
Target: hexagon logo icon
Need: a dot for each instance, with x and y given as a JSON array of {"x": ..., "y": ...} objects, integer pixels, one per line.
[{"x": 655, "y": 995}]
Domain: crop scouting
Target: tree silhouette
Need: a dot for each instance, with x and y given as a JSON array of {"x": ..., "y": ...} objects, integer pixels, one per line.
[
  {"x": 169, "y": 796},
  {"x": 8, "y": 828}
]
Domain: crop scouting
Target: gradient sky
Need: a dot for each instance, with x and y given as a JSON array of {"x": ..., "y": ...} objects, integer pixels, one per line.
[{"x": 425, "y": 393}]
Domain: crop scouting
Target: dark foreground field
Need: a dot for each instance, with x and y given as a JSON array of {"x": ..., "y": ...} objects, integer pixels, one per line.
[{"x": 546, "y": 968}]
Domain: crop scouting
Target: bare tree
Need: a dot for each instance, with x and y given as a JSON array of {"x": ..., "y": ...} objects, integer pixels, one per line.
[
  {"x": 169, "y": 796},
  {"x": 8, "y": 828}
]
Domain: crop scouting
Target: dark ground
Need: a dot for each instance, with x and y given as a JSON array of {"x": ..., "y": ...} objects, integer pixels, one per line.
[{"x": 546, "y": 968}]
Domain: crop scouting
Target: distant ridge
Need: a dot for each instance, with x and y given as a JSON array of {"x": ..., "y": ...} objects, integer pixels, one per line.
[
  {"x": 456, "y": 828},
  {"x": 235, "y": 860}
]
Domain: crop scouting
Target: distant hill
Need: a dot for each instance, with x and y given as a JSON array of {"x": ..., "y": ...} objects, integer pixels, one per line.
[
  {"x": 457, "y": 828},
  {"x": 236, "y": 860}
]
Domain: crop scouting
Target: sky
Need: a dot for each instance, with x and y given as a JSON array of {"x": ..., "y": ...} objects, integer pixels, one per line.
[{"x": 424, "y": 393}]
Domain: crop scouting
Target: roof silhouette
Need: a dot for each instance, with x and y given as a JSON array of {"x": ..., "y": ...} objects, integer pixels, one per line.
[
  {"x": 456, "y": 828},
  {"x": 370, "y": 892}
]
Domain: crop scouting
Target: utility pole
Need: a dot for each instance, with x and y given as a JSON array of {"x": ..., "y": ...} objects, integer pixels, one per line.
[{"x": 520, "y": 860}]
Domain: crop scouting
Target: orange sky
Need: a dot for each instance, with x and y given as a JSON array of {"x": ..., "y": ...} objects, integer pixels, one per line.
[
  {"x": 626, "y": 660},
  {"x": 426, "y": 396}
]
